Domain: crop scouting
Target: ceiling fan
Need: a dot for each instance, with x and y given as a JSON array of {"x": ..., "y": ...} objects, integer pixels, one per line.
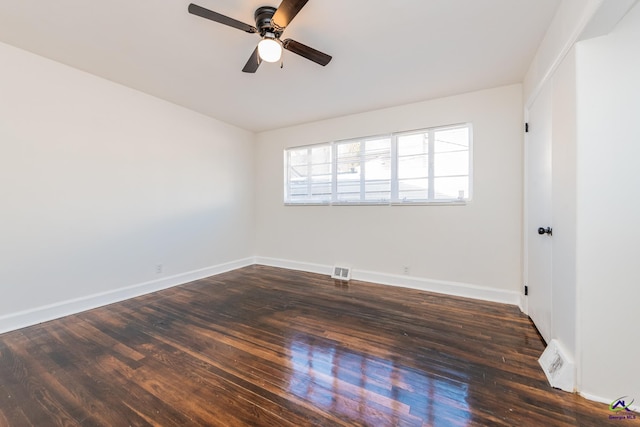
[{"x": 270, "y": 24}]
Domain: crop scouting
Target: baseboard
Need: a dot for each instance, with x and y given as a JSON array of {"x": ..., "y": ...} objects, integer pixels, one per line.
[
  {"x": 439, "y": 286},
  {"x": 21, "y": 319},
  {"x": 523, "y": 303},
  {"x": 293, "y": 265},
  {"x": 608, "y": 401},
  {"x": 13, "y": 321}
]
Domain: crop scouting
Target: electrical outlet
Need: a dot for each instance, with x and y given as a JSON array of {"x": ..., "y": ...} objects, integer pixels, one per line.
[
  {"x": 405, "y": 269},
  {"x": 158, "y": 268}
]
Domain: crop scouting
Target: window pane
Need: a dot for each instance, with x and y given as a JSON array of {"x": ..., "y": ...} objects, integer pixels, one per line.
[
  {"x": 299, "y": 172},
  {"x": 298, "y": 157},
  {"x": 413, "y": 167},
  {"x": 451, "y": 188},
  {"x": 364, "y": 170},
  {"x": 320, "y": 174},
  {"x": 453, "y": 139},
  {"x": 413, "y": 158},
  {"x": 377, "y": 168},
  {"x": 377, "y": 148},
  {"x": 410, "y": 144},
  {"x": 377, "y": 190},
  {"x": 309, "y": 174},
  {"x": 451, "y": 163},
  {"x": 348, "y": 158},
  {"x": 348, "y": 167},
  {"x": 413, "y": 189},
  {"x": 321, "y": 161},
  {"x": 348, "y": 191}
]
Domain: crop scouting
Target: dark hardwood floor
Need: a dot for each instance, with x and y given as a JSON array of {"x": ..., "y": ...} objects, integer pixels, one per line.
[{"x": 273, "y": 347}]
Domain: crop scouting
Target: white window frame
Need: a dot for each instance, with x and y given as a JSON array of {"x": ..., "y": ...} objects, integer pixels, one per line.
[
  {"x": 394, "y": 199},
  {"x": 287, "y": 176}
]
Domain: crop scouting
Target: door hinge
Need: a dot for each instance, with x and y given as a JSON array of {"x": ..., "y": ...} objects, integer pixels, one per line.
[
  {"x": 526, "y": 127},
  {"x": 526, "y": 290}
]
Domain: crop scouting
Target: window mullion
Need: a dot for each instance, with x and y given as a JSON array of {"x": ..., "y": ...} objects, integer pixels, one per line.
[
  {"x": 309, "y": 174},
  {"x": 287, "y": 196},
  {"x": 362, "y": 170},
  {"x": 334, "y": 172},
  {"x": 394, "y": 168},
  {"x": 431, "y": 168}
]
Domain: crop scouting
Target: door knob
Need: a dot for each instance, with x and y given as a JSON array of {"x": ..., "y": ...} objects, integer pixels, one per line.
[{"x": 547, "y": 230}]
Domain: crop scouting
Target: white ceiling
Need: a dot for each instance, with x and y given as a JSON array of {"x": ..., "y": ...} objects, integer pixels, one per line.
[{"x": 385, "y": 53}]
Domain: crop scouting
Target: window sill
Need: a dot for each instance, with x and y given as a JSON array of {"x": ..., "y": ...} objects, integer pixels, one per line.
[{"x": 418, "y": 203}]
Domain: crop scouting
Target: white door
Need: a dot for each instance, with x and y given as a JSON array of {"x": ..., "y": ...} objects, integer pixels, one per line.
[{"x": 538, "y": 239}]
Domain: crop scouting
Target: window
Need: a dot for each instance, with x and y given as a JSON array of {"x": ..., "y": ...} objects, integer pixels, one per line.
[
  {"x": 428, "y": 165},
  {"x": 308, "y": 174},
  {"x": 363, "y": 170}
]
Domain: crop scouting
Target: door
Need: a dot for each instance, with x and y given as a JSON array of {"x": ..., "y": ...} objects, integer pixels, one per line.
[{"x": 538, "y": 231}]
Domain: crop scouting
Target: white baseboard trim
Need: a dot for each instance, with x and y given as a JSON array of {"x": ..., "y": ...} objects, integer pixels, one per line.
[
  {"x": 439, "y": 286},
  {"x": 523, "y": 304},
  {"x": 21, "y": 319},
  {"x": 293, "y": 265},
  {"x": 609, "y": 401}
]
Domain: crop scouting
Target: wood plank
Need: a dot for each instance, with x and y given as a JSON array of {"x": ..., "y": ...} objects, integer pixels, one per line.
[{"x": 268, "y": 346}]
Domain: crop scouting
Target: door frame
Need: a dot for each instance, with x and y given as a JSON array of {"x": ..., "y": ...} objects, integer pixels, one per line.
[
  {"x": 545, "y": 90},
  {"x": 524, "y": 299}
]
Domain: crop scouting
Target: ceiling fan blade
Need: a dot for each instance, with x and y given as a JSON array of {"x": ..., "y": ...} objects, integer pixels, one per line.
[
  {"x": 216, "y": 17},
  {"x": 287, "y": 10},
  {"x": 253, "y": 63},
  {"x": 306, "y": 52}
]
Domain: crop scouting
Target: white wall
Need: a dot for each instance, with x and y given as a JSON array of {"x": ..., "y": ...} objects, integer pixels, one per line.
[
  {"x": 100, "y": 183},
  {"x": 595, "y": 105},
  {"x": 569, "y": 22},
  {"x": 609, "y": 210},
  {"x": 564, "y": 123},
  {"x": 478, "y": 244}
]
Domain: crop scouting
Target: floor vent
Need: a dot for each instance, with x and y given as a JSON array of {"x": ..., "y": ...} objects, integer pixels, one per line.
[
  {"x": 558, "y": 368},
  {"x": 341, "y": 273}
]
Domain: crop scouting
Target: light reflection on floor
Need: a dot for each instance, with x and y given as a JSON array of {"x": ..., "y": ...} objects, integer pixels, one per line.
[{"x": 362, "y": 387}]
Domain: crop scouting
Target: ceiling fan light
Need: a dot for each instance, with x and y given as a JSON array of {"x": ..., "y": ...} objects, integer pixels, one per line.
[{"x": 269, "y": 49}]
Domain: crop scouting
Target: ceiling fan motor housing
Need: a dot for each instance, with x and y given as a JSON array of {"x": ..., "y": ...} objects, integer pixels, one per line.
[{"x": 263, "y": 17}]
